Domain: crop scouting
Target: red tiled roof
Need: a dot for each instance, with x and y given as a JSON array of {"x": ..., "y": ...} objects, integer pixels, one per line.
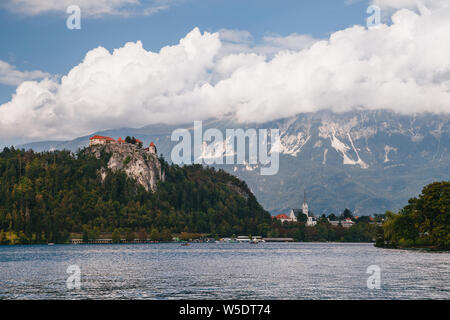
[
  {"x": 138, "y": 141},
  {"x": 101, "y": 138},
  {"x": 152, "y": 144},
  {"x": 120, "y": 140},
  {"x": 281, "y": 216}
]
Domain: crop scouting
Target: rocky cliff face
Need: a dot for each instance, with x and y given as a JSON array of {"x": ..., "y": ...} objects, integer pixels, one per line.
[{"x": 139, "y": 164}]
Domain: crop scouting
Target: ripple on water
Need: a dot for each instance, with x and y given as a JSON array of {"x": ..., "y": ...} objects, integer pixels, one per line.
[{"x": 222, "y": 271}]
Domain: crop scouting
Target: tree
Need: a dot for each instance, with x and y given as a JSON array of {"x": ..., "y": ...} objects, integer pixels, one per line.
[
  {"x": 311, "y": 234},
  {"x": 379, "y": 237},
  {"x": 346, "y": 214},
  {"x": 94, "y": 233},
  {"x": 154, "y": 235},
  {"x": 364, "y": 219},
  {"x": 85, "y": 236},
  {"x": 301, "y": 217},
  {"x": 166, "y": 235},
  {"x": 116, "y": 236},
  {"x": 130, "y": 236},
  {"x": 142, "y": 235},
  {"x": 3, "y": 239},
  {"x": 299, "y": 234},
  {"x": 424, "y": 220},
  {"x": 322, "y": 232},
  {"x": 332, "y": 217}
]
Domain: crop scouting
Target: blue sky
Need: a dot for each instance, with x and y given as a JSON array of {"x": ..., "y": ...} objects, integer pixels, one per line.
[
  {"x": 42, "y": 42},
  {"x": 257, "y": 60}
]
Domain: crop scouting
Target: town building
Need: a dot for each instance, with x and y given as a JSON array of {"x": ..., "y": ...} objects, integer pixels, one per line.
[
  {"x": 283, "y": 218},
  {"x": 95, "y": 140},
  {"x": 292, "y": 216},
  {"x": 347, "y": 223}
]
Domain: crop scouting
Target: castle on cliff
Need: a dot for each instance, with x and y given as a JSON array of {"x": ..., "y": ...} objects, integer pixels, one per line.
[{"x": 101, "y": 140}]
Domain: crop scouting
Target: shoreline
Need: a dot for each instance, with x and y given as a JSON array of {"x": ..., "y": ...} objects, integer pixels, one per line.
[
  {"x": 172, "y": 242},
  {"x": 426, "y": 248}
]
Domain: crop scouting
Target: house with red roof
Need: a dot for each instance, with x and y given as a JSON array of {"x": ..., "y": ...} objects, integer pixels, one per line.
[
  {"x": 101, "y": 140},
  {"x": 282, "y": 217}
]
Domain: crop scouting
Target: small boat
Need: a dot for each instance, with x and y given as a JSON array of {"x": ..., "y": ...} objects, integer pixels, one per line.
[
  {"x": 185, "y": 244},
  {"x": 51, "y": 244}
]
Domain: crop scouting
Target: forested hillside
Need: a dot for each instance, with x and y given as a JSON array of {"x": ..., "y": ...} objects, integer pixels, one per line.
[
  {"x": 46, "y": 196},
  {"x": 424, "y": 222}
]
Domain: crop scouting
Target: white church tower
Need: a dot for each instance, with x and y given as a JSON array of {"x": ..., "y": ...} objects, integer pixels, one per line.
[
  {"x": 305, "y": 205},
  {"x": 310, "y": 222}
]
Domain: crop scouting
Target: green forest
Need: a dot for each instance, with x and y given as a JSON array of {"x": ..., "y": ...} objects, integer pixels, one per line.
[
  {"x": 45, "y": 197},
  {"x": 54, "y": 196},
  {"x": 424, "y": 222}
]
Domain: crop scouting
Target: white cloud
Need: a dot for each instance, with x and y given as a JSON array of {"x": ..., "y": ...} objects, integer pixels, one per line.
[
  {"x": 89, "y": 8},
  {"x": 411, "y": 4},
  {"x": 9, "y": 75},
  {"x": 241, "y": 41},
  {"x": 403, "y": 67}
]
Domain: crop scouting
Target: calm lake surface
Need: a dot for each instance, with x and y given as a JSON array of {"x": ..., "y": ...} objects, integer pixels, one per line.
[{"x": 222, "y": 271}]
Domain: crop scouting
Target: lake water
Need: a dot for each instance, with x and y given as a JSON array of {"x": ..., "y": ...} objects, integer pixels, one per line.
[{"x": 222, "y": 271}]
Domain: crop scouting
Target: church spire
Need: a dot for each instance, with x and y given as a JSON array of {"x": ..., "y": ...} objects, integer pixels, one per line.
[{"x": 305, "y": 205}]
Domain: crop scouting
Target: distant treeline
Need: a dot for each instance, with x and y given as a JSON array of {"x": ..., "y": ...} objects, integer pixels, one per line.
[
  {"x": 424, "y": 222},
  {"x": 44, "y": 197}
]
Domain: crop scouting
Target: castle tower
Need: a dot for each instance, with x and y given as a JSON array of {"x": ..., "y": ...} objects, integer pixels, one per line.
[{"x": 152, "y": 148}]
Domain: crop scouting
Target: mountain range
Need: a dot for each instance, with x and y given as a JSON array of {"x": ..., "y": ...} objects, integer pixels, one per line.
[{"x": 367, "y": 161}]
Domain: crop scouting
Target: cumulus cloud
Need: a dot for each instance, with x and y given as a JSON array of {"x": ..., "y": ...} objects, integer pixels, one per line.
[
  {"x": 241, "y": 41},
  {"x": 9, "y": 75},
  {"x": 411, "y": 4},
  {"x": 403, "y": 67},
  {"x": 89, "y": 8}
]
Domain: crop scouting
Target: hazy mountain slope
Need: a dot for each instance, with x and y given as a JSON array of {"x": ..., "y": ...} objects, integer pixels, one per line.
[{"x": 368, "y": 161}]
